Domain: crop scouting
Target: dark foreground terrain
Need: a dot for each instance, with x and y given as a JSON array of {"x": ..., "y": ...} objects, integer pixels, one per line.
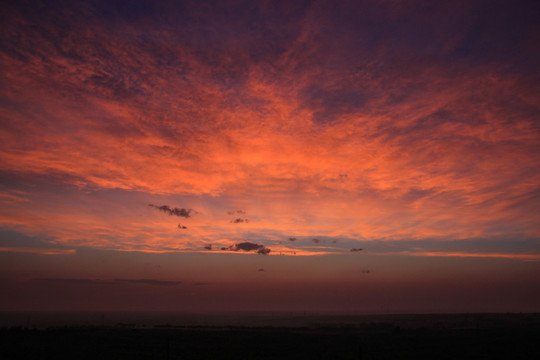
[{"x": 420, "y": 337}]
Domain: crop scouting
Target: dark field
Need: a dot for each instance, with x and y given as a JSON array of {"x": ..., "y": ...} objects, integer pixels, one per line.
[{"x": 468, "y": 336}]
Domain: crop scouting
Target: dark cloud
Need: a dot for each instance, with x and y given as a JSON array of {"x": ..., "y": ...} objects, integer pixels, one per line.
[
  {"x": 248, "y": 246},
  {"x": 292, "y": 239},
  {"x": 261, "y": 269},
  {"x": 200, "y": 284},
  {"x": 263, "y": 251},
  {"x": 239, "y": 221},
  {"x": 356, "y": 249},
  {"x": 233, "y": 212},
  {"x": 208, "y": 247},
  {"x": 180, "y": 226},
  {"x": 173, "y": 211},
  {"x": 366, "y": 271},
  {"x": 149, "y": 282},
  {"x": 316, "y": 241}
]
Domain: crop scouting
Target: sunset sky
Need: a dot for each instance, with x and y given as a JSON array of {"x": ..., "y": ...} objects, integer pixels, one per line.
[{"x": 356, "y": 156}]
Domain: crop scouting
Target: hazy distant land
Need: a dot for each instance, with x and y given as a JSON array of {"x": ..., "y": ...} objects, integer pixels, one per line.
[{"x": 268, "y": 336}]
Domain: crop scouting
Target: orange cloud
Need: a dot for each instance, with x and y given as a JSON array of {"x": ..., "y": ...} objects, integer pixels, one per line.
[{"x": 389, "y": 146}]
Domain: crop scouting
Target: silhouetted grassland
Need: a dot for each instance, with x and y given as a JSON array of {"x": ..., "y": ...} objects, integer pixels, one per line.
[{"x": 409, "y": 337}]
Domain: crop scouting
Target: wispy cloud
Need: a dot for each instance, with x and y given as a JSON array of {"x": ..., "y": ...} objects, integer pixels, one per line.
[{"x": 13, "y": 197}]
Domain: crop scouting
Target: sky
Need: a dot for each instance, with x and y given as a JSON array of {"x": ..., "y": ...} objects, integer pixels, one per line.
[{"x": 352, "y": 156}]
